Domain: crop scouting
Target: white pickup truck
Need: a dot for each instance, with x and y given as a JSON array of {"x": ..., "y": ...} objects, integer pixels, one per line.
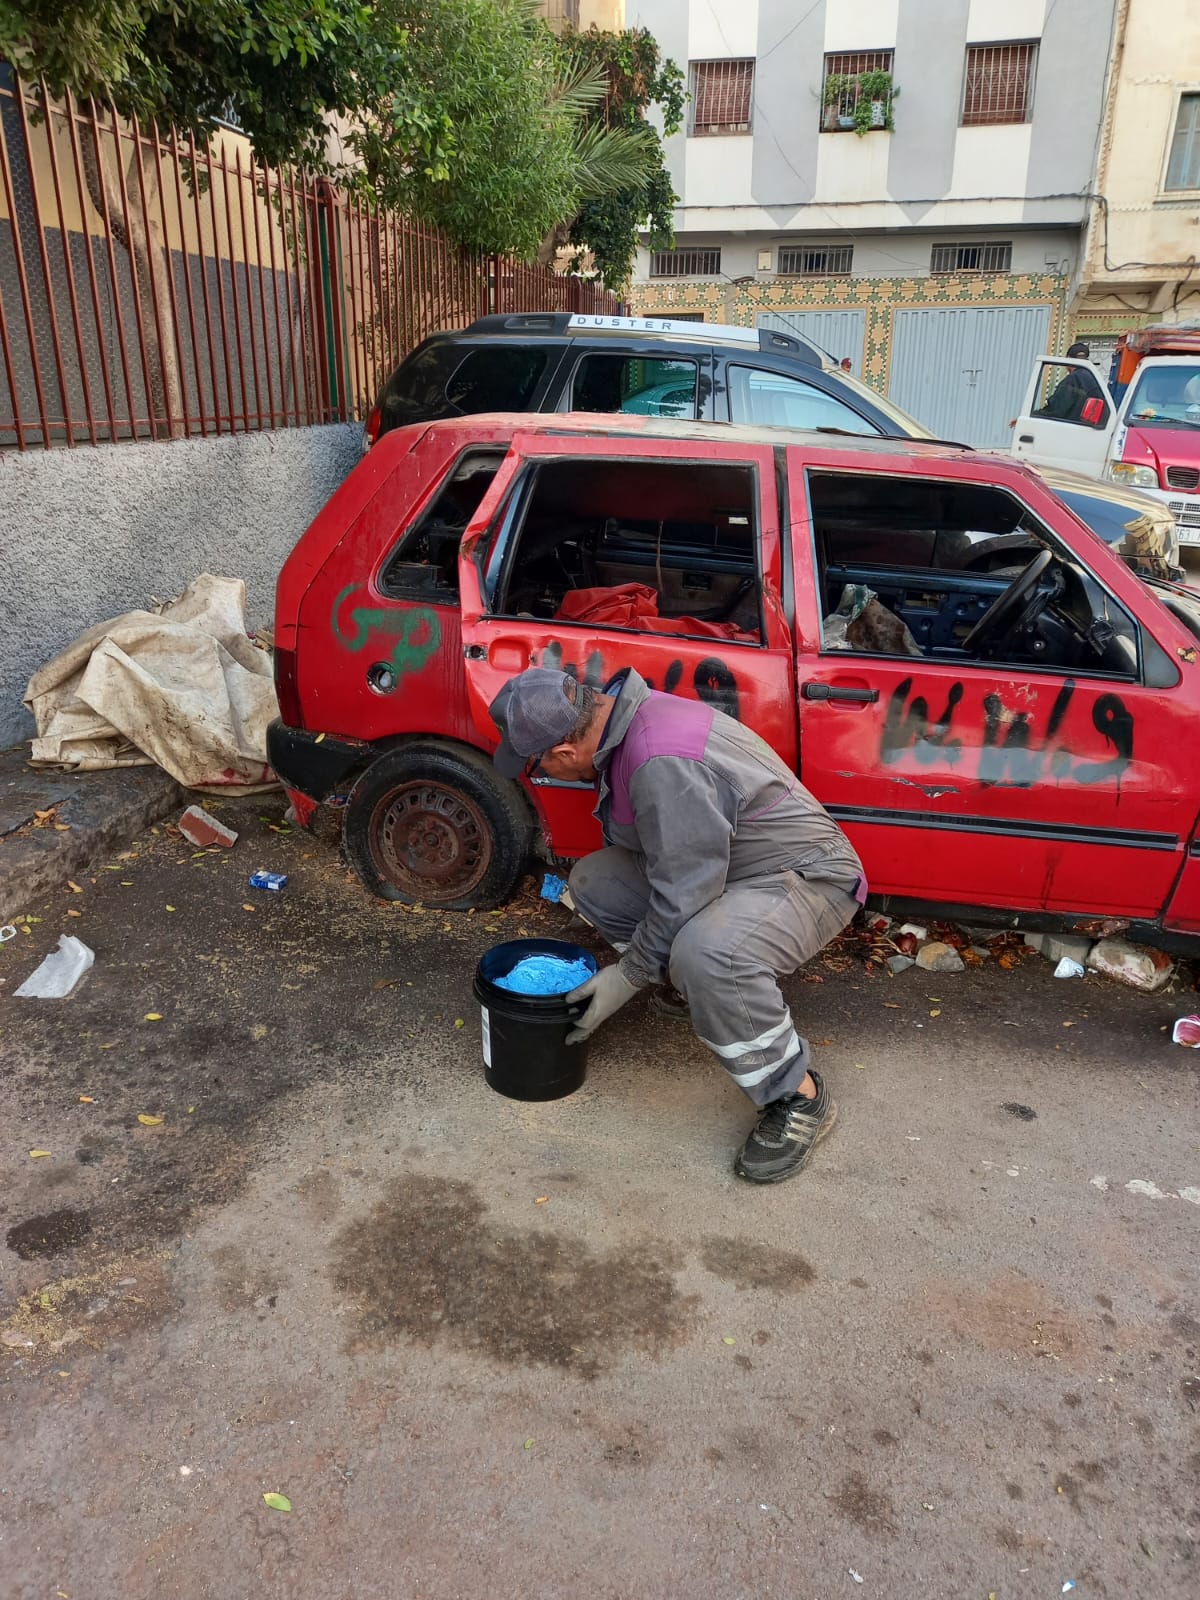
[{"x": 1145, "y": 436}]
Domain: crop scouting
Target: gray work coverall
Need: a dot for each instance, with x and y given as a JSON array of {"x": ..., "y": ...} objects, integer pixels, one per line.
[{"x": 719, "y": 871}]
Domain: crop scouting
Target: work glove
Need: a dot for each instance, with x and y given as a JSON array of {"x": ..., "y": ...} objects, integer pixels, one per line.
[{"x": 605, "y": 994}]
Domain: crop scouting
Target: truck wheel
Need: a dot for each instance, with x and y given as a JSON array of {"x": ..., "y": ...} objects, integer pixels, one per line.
[{"x": 437, "y": 827}]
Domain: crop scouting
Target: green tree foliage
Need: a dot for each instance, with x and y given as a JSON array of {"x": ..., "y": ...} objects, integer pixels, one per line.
[
  {"x": 469, "y": 113},
  {"x": 280, "y": 65},
  {"x": 638, "y": 80},
  {"x": 495, "y": 73}
]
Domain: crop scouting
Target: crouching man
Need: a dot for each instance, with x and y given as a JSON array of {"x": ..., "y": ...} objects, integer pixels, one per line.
[{"x": 719, "y": 871}]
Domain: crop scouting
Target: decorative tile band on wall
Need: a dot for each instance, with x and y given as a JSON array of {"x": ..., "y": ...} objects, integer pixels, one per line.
[
  {"x": 1107, "y": 324},
  {"x": 880, "y": 297}
]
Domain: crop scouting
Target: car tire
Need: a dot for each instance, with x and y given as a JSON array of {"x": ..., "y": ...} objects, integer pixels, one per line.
[{"x": 436, "y": 825}]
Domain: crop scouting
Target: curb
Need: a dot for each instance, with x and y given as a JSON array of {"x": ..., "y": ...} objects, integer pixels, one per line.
[{"x": 102, "y": 812}]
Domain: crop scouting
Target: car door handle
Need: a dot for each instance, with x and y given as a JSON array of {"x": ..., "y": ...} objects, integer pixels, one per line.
[
  {"x": 1024, "y": 438},
  {"x": 831, "y": 691}
]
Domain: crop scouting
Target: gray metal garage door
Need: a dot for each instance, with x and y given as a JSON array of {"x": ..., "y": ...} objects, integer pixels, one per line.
[
  {"x": 963, "y": 372},
  {"x": 840, "y": 333}
]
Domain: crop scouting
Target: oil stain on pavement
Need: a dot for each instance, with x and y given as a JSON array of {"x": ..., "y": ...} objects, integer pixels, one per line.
[
  {"x": 749, "y": 1265},
  {"x": 49, "y": 1234},
  {"x": 426, "y": 1264}
]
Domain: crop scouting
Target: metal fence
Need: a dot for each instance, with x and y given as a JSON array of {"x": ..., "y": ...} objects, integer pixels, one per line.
[{"x": 150, "y": 289}]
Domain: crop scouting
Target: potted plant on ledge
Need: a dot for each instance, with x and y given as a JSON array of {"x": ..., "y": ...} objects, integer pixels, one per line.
[
  {"x": 874, "y": 94},
  {"x": 836, "y": 89}
]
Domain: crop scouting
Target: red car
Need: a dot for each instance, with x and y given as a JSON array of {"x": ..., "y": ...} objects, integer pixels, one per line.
[{"x": 1001, "y": 714}]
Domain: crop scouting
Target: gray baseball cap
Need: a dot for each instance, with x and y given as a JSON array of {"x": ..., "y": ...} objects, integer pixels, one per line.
[{"x": 533, "y": 714}]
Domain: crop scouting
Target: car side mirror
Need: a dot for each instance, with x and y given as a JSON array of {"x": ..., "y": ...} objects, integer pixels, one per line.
[{"x": 1093, "y": 411}]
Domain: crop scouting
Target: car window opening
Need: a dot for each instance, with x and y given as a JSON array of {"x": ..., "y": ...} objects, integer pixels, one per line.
[
  {"x": 956, "y": 571},
  {"x": 641, "y": 386},
  {"x": 660, "y": 547},
  {"x": 424, "y": 566}
]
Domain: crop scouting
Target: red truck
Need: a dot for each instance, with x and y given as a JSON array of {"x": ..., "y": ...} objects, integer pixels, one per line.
[{"x": 1000, "y": 713}]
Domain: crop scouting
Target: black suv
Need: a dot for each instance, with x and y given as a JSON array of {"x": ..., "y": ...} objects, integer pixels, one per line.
[
  {"x": 650, "y": 366},
  {"x": 705, "y": 371}
]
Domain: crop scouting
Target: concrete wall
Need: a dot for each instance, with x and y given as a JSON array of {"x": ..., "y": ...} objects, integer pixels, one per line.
[
  {"x": 787, "y": 174},
  {"x": 876, "y": 255},
  {"x": 1152, "y": 233},
  {"x": 93, "y": 532}
]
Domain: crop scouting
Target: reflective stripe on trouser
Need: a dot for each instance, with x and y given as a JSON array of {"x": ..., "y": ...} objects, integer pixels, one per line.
[{"x": 725, "y": 960}]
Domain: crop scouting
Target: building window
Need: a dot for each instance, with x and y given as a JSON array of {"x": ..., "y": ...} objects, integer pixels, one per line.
[
  {"x": 1183, "y": 166},
  {"x": 722, "y": 92},
  {"x": 556, "y": 12},
  {"x": 840, "y": 86},
  {"x": 990, "y": 257},
  {"x": 685, "y": 263},
  {"x": 999, "y": 83},
  {"x": 815, "y": 261}
]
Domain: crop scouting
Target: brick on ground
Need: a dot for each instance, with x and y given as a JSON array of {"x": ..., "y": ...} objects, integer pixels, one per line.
[{"x": 201, "y": 828}]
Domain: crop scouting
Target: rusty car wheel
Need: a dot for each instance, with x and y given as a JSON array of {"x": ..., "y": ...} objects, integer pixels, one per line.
[{"x": 437, "y": 826}]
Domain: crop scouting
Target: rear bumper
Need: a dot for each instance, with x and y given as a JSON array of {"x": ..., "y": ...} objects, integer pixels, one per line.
[{"x": 314, "y": 764}]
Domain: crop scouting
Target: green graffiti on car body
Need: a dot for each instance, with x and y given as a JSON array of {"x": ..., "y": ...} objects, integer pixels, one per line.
[{"x": 411, "y": 635}]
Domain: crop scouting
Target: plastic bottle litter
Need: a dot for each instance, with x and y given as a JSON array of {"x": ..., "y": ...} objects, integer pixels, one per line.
[
  {"x": 274, "y": 881},
  {"x": 1187, "y": 1032},
  {"x": 1067, "y": 968},
  {"x": 545, "y": 975},
  {"x": 59, "y": 972},
  {"x": 7, "y": 932},
  {"x": 553, "y": 887}
]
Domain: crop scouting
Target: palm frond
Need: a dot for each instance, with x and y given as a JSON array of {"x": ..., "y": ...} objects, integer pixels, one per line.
[
  {"x": 581, "y": 92},
  {"x": 608, "y": 160}
]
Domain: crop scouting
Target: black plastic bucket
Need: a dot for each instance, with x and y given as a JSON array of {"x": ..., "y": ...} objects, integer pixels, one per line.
[{"x": 525, "y": 1050}]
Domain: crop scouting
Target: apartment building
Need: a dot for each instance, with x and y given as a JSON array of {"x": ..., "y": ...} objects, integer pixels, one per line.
[
  {"x": 583, "y": 13},
  {"x": 905, "y": 181},
  {"x": 1142, "y": 254}
]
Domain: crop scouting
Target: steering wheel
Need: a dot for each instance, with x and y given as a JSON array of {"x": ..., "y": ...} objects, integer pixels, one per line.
[{"x": 998, "y": 620}]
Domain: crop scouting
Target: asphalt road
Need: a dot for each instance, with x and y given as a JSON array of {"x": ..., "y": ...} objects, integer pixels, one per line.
[{"x": 523, "y": 1352}]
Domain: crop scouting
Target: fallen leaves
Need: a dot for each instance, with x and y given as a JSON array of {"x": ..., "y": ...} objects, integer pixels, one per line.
[
  {"x": 277, "y": 1502},
  {"x": 529, "y": 1444},
  {"x": 73, "y": 886},
  {"x": 541, "y": 1200},
  {"x": 728, "y": 1339},
  {"x": 153, "y": 1016},
  {"x": 38, "y": 1154},
  {"x": 147, "y": 1121},
  {"x": 246, "y": 906},
  {"x": 86, "y": 1100}
]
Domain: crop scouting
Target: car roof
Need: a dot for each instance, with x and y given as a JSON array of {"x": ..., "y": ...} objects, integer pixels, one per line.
[
  {"x": 628, "y": 425},
  {"x": 523, "y": 326}
]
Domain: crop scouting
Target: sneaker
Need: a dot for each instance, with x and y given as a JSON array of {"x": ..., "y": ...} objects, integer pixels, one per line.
[
  {"x": 668, "y": 1002},
  {"x": 788, "y": 1131}
]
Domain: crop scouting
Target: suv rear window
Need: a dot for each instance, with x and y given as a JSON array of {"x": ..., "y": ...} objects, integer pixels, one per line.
[
  {"x": 444, "y": 380},
  {"x": 647, "y": 386}
]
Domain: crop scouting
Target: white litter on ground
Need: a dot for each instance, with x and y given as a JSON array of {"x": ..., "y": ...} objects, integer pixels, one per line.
[{"x": 59, "y": 972}]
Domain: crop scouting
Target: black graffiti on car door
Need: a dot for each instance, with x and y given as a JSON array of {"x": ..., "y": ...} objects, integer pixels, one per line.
[
  {"x": 713, "y": 679},
  {"x": 1010, "y": 749}
]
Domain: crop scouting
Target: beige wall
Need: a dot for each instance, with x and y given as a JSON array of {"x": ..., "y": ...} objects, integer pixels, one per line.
[
  {"x": 1156, "y": 58},
  {"x": 597, "y": 13}
]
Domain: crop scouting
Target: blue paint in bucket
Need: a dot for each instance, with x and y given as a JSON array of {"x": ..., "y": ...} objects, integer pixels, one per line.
[{"x": 525, "y": 1050}]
